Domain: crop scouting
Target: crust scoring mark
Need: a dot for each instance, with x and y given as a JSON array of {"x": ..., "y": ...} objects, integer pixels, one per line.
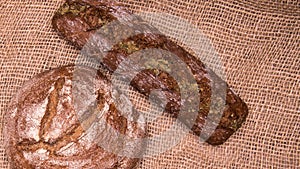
[
  {"x": 51, "y": 109},
  {"x": 71, "y": 135}
]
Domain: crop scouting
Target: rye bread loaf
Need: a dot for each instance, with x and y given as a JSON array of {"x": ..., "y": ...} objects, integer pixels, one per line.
[
  {"x": 105, "y": 29},
  {"x": 66, "y": 118}
]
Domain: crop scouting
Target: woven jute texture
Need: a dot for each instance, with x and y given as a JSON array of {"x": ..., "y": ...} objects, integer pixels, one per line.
[{"x": 258, "y": 42}]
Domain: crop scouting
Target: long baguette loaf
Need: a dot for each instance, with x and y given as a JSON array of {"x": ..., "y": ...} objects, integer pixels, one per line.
[{"x": 79, "y": 22}]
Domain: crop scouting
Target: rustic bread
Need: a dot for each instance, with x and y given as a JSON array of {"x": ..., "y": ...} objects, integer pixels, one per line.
[
  {"x": 66, "y": 118},
  {"x": 105, "y": 29}
]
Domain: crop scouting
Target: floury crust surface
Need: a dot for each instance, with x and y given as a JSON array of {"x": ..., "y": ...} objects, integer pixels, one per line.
[{"x": 45, "y": 129}]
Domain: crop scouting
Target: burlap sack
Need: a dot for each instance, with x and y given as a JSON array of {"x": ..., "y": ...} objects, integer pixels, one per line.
[{"x": 257, "y": 41}]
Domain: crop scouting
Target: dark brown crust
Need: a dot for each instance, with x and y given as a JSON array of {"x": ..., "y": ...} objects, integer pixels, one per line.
[
  {"x": 43, "y": 130},
  {"x": 235, "y": 111}
]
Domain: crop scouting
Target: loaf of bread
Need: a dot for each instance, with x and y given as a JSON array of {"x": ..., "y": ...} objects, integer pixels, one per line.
[
  {"x": 66, "y": 118},
  {"x": 105, "y": 29}
]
